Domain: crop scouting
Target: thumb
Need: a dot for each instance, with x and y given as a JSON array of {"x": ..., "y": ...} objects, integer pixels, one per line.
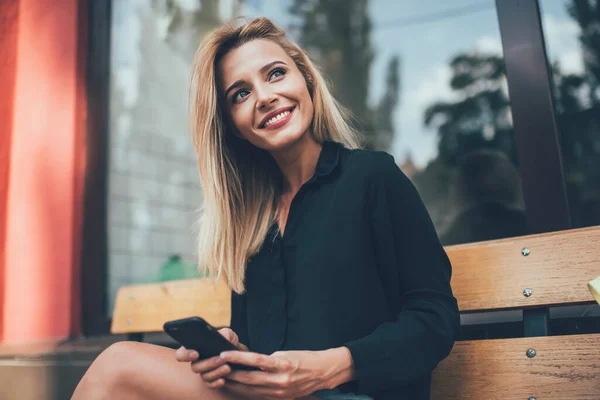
[{"x": 230, "y": 335}]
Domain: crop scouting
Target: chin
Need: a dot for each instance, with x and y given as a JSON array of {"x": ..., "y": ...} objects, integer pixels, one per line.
[{"x": 283, "y": 140}]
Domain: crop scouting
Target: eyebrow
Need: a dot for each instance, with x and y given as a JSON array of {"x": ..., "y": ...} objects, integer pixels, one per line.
[{"x": 240, "y": 82}]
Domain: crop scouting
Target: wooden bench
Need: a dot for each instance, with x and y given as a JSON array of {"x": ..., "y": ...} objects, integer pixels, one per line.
[{"x": 530, "y": 273}]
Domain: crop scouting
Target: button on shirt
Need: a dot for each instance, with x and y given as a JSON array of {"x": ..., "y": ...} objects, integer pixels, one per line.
[{"x": 359, "y": 265}]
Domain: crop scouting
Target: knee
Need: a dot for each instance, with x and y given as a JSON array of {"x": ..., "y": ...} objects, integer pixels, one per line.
[
  {"x": 111, "y": 370},
  {"x": 117, "y": 362}
]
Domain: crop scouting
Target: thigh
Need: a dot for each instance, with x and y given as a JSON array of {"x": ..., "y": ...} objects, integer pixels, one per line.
[{"x": 130, "y": 370}]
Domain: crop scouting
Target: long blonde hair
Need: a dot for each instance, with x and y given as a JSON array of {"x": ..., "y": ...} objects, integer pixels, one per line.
[{"x": 240, "y": 181}]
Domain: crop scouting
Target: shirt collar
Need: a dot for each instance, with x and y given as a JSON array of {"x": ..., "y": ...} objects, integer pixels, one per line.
[{"x": 328, "y": 159}]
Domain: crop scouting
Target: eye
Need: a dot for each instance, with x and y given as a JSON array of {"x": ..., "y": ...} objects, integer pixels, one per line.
[
  {"x": 239, "y": 95},
  {"x": 277, "y": 73}
]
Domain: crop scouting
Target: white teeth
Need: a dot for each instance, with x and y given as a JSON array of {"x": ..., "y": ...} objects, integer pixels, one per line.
[{"x": 277, "y": 118}]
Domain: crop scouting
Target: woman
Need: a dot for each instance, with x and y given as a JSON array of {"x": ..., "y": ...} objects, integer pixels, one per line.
[{"x": 341, "y": 288}]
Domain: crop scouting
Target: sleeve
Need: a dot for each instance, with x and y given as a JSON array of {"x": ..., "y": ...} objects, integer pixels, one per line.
[
  {"x": 239, "y": 319},
  {"x": 407, "y": 249}
]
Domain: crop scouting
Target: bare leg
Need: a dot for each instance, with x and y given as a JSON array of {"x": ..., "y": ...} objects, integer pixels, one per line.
[{"x": 136, "y": 371}]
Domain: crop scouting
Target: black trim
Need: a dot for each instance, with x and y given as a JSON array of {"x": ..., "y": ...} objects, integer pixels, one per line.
[
  {"x": 94, "y": 257},
  {"x": 135, "y": 337},
  {"x": 536, "y": 133},
  {"x": 536, "y": 322},
  {"x": 509, "y": 330}
]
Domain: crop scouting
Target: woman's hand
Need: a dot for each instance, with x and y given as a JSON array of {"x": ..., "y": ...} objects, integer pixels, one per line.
[
  {"x": 288, "y": 374},
  {"x": 212, "y": 370}
]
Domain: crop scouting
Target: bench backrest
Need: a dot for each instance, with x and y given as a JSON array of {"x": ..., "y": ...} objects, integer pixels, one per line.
[
  {"x": 145, "y": 308},
  {"x": 555, "y": 267},
  {"x": 522, "y": 273}
]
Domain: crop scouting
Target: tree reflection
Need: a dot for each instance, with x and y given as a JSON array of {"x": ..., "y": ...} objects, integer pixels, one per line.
[
  {"x": 336, "y": 34},
  {"x": 587, "y": 15},
  {"x": 479, "y": 118},
  {"x": 577, "y": 102}
]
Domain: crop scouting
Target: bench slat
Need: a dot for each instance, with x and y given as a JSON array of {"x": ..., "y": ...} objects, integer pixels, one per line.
[
  {"x": 145, "y": 308},
  {"x": 493, "y": 275},
  {"x": 564, "y": 367}
]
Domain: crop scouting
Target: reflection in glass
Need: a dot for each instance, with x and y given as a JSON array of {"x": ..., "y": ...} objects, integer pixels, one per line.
[
  {"x": 485, "y": 194},
  {"x": 572, "y": 36},
  {"x": 472, "y": 187},
  {"x": 154, "y": 191},
  {"x": 338, "y": 37},
  {"x": 426, "y": 82}
]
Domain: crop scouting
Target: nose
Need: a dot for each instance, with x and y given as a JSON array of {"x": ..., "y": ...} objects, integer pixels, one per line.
[{"x": 265, "y": 97}]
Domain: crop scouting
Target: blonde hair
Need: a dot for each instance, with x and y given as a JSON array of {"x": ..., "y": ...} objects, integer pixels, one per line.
[{"x": 240, "y": 181}]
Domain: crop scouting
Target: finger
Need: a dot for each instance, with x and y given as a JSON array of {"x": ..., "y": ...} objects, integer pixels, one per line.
[
  {"x": 182, "y": 354},
  {"x": 216, "y": 374},
  {"x": 219, "y": 383},
  {"x": 243, "y": 347},
  {"x": 254, "y": 378},
  {"x": 230, "y": 335},
  {"x": 248, "y": 358},
  {"x": 261, "y": 361},
  {"x": 227, "y": 333},
  {"x": 204, "y": 366}
]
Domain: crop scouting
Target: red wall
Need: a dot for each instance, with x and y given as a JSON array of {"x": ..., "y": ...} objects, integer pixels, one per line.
[
  {"x": 9, "y": 23},
  {"x": 45, "y": 172}
]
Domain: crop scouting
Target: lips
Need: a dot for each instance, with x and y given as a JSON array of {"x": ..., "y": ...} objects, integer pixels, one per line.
[{"x": 274, "y": 114}]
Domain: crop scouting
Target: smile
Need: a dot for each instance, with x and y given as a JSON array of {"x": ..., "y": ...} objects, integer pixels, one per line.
[{"x": 278, "y": 119}]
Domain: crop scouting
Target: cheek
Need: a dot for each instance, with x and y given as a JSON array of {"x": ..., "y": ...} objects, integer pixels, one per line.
[
  {"x": 241, "y": 120},
  {"x": 309, "y": 106}
]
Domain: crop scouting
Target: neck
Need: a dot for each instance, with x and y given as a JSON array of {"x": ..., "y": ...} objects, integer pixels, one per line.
[{"x": 298, "y": 162}]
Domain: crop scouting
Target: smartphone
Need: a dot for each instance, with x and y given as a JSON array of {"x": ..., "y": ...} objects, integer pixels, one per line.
[{"x": 194, "y": 333}]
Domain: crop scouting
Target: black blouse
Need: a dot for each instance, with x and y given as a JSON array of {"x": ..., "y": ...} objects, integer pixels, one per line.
[{"x": 360, "y": 265}]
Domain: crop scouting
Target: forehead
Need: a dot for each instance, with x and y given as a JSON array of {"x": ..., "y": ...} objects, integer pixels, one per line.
[{"x": 247, "y": 60}]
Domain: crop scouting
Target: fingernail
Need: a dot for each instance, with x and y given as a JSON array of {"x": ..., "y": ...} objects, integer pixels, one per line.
[
  {"x": 224, "y": 354},
  {"x": 194, "y": 354}
]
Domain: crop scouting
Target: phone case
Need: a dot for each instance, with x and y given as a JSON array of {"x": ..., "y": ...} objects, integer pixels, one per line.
[{"x": 194, "y": 333}]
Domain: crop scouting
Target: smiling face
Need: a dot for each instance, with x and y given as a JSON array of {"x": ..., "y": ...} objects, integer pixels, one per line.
[{"x": 265, "y": 95}]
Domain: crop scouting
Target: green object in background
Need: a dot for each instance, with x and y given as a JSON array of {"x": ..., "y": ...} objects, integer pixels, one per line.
[{"x": 176, "y": 269}]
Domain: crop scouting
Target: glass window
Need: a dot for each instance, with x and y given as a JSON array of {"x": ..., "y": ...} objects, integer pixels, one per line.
[
  {"x": 424, "y": 80},
  {"x": 572, "y": 37},
  {"x": 451, "y": 120}
]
